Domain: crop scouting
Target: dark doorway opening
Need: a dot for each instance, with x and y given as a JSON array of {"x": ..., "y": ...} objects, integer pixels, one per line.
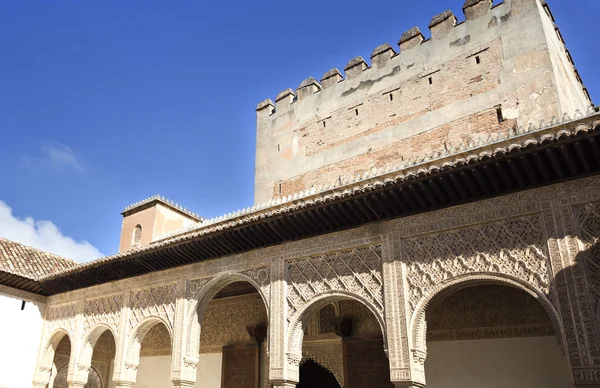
[{"x": 313, "y": 375}]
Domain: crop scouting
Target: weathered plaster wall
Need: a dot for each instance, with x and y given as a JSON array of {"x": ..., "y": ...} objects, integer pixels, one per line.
[
  {"x": 436, "y": 94},
  {"x": 20, "y": 334},
  {"x": 499, "y": 363}
]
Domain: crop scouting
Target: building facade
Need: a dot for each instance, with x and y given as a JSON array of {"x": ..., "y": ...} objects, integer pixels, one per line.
[{"x": 429, "y": 221}]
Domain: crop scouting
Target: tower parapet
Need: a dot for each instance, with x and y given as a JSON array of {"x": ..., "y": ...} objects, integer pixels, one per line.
[{"x": 471, "y": 78}]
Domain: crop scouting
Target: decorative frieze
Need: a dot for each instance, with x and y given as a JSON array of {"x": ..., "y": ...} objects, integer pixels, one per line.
[
  {"x": 153, "y": 302},
  {"x": 103, "y": 310},
  {"x": 514, "y": 247},
  {"x": 356, "y": 271}
]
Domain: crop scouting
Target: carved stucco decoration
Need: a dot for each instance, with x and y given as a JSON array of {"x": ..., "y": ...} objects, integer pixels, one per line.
[
  {"x": 356, "y": 271},
  {"x": 153, "y": 302},
  {"x": 487, "y": 311},
  {"x": 316, "y": 281},
  {"x": 513, "y": 247},
  {"x": 512, "y": 251},
  {"x": 60, "y": 317},
  {"x": 226, "y": 320},
  {"x": 200, "y": 292},
  {"x": 328, "y": 354},
  {"x": 157, "y": 342},
  {"x": 103, "y": 310},
  {"x": 588, "y": 219}
]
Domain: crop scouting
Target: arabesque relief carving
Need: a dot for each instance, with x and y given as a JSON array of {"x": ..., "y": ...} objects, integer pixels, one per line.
[
  {"x": 588, "y": 218},
  {"x": 103, "y": 310},
  {"x": 328, "y": 354},
  {"x": 514, "y": 247},
  {"x": 158, "y": 301},
  {"x": 226, "y": 320},
  {"x": 62, "y": 316},
  {"x": 485, "y": 312},
  {"x": 357, "y": 271}
]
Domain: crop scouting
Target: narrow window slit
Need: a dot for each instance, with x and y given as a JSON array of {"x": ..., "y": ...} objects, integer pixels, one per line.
[
  {"x": 279, "y": 187},
  {"x": 477, "y": 60},
  {"x": 430, "y": 81},
  {"x": 391, "y": 97},
  {"x": 324, "y": 124},
  {"x": 356, "y": 111},
  {"x": 278, "y": 148},
  {"x": 499, "y": 114}
]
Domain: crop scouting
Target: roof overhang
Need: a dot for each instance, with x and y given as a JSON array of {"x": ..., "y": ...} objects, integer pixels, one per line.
[{"x": 532, "y": 159}]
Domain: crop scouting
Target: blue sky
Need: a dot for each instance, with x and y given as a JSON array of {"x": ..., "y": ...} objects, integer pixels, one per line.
[{"x": 104, "y": 103}]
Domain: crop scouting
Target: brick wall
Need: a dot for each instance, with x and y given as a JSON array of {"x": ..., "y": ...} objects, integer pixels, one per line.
[{"x": 454, "y": 133}]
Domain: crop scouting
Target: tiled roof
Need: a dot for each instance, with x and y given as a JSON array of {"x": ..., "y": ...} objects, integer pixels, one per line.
[{"x": 21, "y": 260}]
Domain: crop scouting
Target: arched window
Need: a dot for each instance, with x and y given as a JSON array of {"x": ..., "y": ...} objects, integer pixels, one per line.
[{"x": 137, "y": 235}]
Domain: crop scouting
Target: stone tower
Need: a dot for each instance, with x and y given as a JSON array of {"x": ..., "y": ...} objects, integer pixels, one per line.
[{"x": 505, "y": 66}]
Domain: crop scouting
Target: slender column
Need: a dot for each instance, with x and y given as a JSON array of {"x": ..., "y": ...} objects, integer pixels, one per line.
[
  {"x": 278, "y": 360},
  {"x": 396, "y": 324},
  {"x": 183, "y": 370},
  {"x": 404, "y": 372},
  {"x": 77, "y": 374},
  {"x": 123, "y": 374}
]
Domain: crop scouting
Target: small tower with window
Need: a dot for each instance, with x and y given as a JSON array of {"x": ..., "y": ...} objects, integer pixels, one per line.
[{"x": 146, "y": 221}]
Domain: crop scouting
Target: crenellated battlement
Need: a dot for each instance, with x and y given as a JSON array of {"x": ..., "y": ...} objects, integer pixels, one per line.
[{"x": 481, "y": 64}]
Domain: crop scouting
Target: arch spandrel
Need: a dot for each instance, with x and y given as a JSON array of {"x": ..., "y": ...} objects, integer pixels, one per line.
[
  {"x": 157, "y": 301},
  {"x": 516, "y": 248},
  {"x": 356, "y": 272}
]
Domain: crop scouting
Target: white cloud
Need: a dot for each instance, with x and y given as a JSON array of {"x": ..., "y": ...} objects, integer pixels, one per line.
[
  {"x": 44, "y": 235},
  {"x": 55, "y": 157}
]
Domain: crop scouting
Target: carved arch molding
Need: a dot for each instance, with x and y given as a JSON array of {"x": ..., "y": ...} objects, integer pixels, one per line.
[
  {"x": 199, "y": 292},
  {"x": 514, "y": 249},
  {"x": 313, "y": 281}
]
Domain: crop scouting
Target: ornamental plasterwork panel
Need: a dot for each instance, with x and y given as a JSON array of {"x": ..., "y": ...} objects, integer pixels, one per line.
[
  {"x": 512, "y": 247},
  {"x": 194, "y": 288},
  {"x": 588, "y": 219},
  {"x": 328, "y": 354},
  {"x": 103, "y": 310},
  {"x": 262, "y": 277},
  {"x": 157, "y": 342},
  {"x": 487, "y": 312},
  {"x": 61, "y": 316},
  {"x": 158, "y": 302},
  {"x": 226, "y": 320},
  {"x": 357, "y": 271}
]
